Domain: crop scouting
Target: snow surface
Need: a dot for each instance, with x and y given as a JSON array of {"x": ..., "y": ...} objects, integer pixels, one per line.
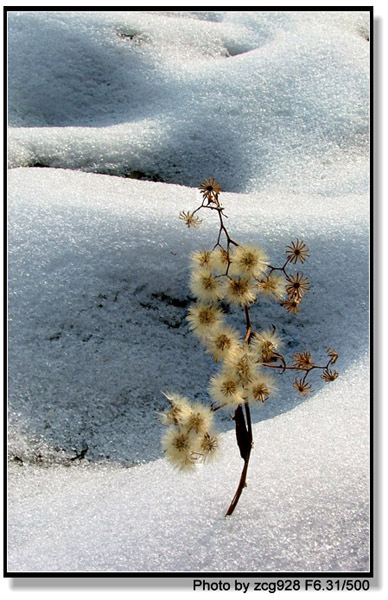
[
  {"x": 273, "y": 104},
  {"x": 305, "y": 508},
  {"x": 256, "y": 99}
]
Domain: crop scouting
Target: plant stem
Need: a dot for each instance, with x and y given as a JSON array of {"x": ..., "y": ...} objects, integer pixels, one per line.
[
  {"x": 243, "y": 431},
  {"x": 244, "y": 440}
]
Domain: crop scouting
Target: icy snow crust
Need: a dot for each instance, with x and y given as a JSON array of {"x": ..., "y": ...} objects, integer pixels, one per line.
[
  {"x": 98, "y": 294},
  {"x": 305, "y": 507},
  {"x": 275, "y": 106},
  {"x": 98, "y": 297},
  {"x": 255, "y": 99}
]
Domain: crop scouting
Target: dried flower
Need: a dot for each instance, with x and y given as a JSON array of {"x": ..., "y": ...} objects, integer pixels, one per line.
[
  {"x": 239, "y": 291},
  {"x": 297, "y": 286},
  {"x": 190, "y": 219},
  {"x": 303, "y": 360},
  {"x": 329, "y": 375},
  {"x": 180, "y": 409},
  {"x": 225, "y": 388},
  {"x": 199, "y": 419},
  {"x": 332, "y": 355},
  {"x": 210, "y": 189},
  {"x": 178, "y": 448},
  {"x": 248, "y": 261},
  {"x": 273, "y": 286},
  {"x": 297, "y": 251},
  {"x": 237, "y": 275},
  {"x": 291, "y": 305},
  {"x": 302, "y": 386},
  {"x": 265, "y": 345},
  {"x": 222, "y": 340},
  {"x": 203, "y": 317},
  {"x": 202, "y": 258},
  {"x": 205, "y": 286},
  {"x": 261, "y": 387}
]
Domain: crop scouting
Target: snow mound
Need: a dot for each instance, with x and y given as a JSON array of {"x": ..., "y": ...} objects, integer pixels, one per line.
[
  {"x": 306, "y": 507},
  {"x": 98, "y": 297},
  {"x": 269, "y": 98}
]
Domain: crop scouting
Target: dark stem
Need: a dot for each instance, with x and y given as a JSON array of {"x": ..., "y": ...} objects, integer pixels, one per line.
[
  {"x": 244, "y": 441},
  {"x": 243, "y": 432}
]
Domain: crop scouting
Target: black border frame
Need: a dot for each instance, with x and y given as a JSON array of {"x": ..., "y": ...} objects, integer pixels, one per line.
[{"x": 203, "y": 575}]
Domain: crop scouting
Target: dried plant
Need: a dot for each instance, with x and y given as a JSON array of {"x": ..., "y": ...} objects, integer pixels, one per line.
[{"x": 238, "y": 275}]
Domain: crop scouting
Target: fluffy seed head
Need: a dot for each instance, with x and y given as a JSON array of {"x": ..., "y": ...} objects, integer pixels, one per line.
[
  {"x": 203, "y": 317},
  {"x": 273, "y": 286},
  {"x": 261, "y": 387},
  {"x": 202, "y": 258},
  {"x": 265, "y": 344},
  {"x": 209, "y": 446},
  {"x": 221, "y": 341},
  {"x": 241, "y": 364},
  {"x": 205, "y": 286},
  {"x": 248, "y": 261},
  {"x": 178, "y": 448},
  {"x": 199, "y": 420},
  {"x": 225, "y": 389},
  {"x": 180, "y": 408},
  {"x": 220, "y": 260},
  {"x": 239, "y": 291}
]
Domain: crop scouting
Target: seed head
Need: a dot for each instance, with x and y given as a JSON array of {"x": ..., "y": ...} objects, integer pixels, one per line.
[
  {"x": 273, "y": 286},
  {"x": 202, "y": 258},
  {"x": 225, "y": 389},
  {"x": 302, "y": 386},
  {"x": 332, "y": 355},
  {"x": 261, "y": 387},
  {"x": 210, "y": 189},
  {"x": 178, "y": 448},
  {"x": 205, "y": 286},
  {"x": 297, "y": 251},
  {"x": 297, "y": 286},
  {"x": 190, "y": 219},
  {"x": 291, "y": 305},
  {"x": 180, "y": 408},
  {"x": 265, "y": 345},
  {"x": 239, "y": 291},
  {"x": 220, "y": 260},
  {"x": 248, "y": 261},
  {"x": 209, "y": 446},
  {"x": 203, "y": 317},
  {"x": 199, "y": 419},
  {"x": 221, "y": 341},
  {"x": 329, "y": 375},
  {"x": 303, "y": 360}
]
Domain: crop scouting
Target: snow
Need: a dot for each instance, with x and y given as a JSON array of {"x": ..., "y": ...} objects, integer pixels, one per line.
[
  {"x": 305, "y": 508},
  {"x": 275, "y": 106},
  {"x": 267, "y": 96},
  {"x": 99, "y": 284}
]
